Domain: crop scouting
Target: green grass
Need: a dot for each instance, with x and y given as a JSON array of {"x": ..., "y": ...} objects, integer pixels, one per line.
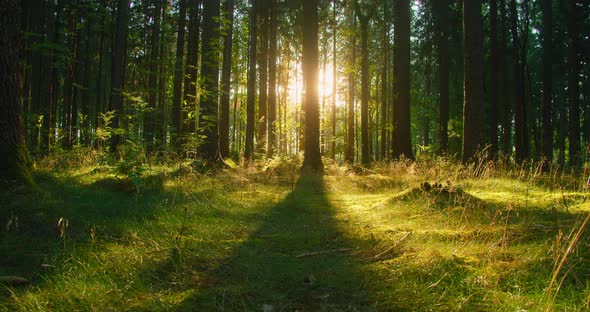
[{"x": 165, "y": 238}]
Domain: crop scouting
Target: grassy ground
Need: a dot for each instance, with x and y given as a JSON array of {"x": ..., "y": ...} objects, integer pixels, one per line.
[{"x": 428, "y": 236}]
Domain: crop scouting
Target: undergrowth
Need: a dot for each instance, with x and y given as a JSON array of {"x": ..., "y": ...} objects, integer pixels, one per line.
[{"x": 158, "y": 234}]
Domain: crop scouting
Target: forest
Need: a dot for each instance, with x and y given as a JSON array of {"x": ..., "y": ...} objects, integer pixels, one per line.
[{"x": 294, "y": 155}]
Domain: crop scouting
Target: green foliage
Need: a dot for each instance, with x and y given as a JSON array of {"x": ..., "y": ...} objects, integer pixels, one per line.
[{"x": 104, "y": 131}]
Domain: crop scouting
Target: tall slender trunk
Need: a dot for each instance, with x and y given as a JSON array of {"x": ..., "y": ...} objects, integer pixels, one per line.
[
  {"x": 263, "y": 70},
  {"x": 494, "y": 102},
  {"x": 226, "y": 80},
  {"x": 118, "y": 71},
  {"x": 251, "y": 96},
  {"x": 209, "y": 110},
  {"x": 69, "y": 108},
  {"x": 149, "y": 124},
  {"x": 272, "y": 81},
  {"x": 473, "y": 83},
  {"x": 349, "y": 157},
  {"x": 48, "y": 83},
  {"x": 505, "y": 86},
  {"x": 364, "y": 23},
  {"x": 384, "y": 83},
  {"x": 88, "y": 107},
  {"x": 99, "y": 76},
  {"x": 547, "y": 108},
  {"x": 442, "y": 12},
  {"x": 39, "y": 65},
  {"x": 163, "y": 74},
  {"x": 189, "y": 110},
  {"x": 312, "y": 160},
  {"x": 520, "y": 143},
  {"x": 401, "y": 111},
  {"x": 334, "y": 80},
  {"x": 178, "y": 74},
  {"x": 573, "y": 88}
]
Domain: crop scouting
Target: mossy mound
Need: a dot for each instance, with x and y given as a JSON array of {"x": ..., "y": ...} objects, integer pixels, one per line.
[
  {"x": 440, "y": 196},
  {"x": 132, "y": 184},
  {"x": 119, "y": 184}
]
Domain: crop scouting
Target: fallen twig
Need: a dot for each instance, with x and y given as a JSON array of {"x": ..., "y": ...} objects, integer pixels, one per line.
[
  {"x": 14, "y": 280},
  {"x": 322, "y": 252},
  {"x": 392, "y": 246}
]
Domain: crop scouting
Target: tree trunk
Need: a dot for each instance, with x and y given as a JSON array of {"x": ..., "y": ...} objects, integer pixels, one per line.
[
  {"x": 442, "y": 12},
  {"x": 364, "y": 23},
  {"x": 178, "y": 74},
  {"x": 118, "y": 71},
  {"x": 189, "y": 110},
  {"x": 208, "y": 117},
  {"x": 272, "y": 81},
  {"x": 504, "y": 86},
  {"x": 334, "y": 80},
  {"x": 312, "y": 161},
  {"x": 149, "y": 124},
  {"x": 49, "y": 88},
  {"x": 520, "y": 142},
  {"x": 163, "y": 75},
  {"x": 547, "y": 108},
  {"x": 384, "y": 82},
  {"x": 251, "y": 97},
  {"x": 38, "y": 64},
  {"x": 473, "y": 67},
  {"x": 70, "y": 108},
  {"x": 401, "y": 63},
  {"x": 349, "y": 157},
  {"x": 494, "y": 102},
  {"x": 573, "y": 88},
  {"x": 15, "y": 163},
  {"x": 226, "y": 81},
  {"x": 263, "y": 73},
  {"x": 87, "y": 109}
]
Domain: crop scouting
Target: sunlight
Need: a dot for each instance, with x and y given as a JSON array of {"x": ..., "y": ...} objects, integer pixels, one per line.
[{"x": 325, "y": 85}]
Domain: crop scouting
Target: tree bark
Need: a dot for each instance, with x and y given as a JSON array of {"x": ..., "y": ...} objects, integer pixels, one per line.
[
  {"x": 384, "y": 82},
  {"x": 473, "y": 83},
  {"x": 402, "y": 145},
  {"x": 226, "y": 80},
  {"x": 504, "y": 85},
  {"x": 442, "y": 16},
  {"x": 118, "y": 72},
  {"x": 15, "y": 162},
  {"x": 208, "y": 117},
  {"x": 149, "y": 123},
  {"x": 251, "y": 96},
  {"x": 349, "y": 157},
  {"x": 312, "y": 160},
  {"x": 335, "y": 80},
  {"x": 70, "y": 101},
  {"x": 494, "y": 102},
  {"x": 272, "y": 81},
  {"x": 263, "y": 74},
  {"x": 573, "y": 88},
  {"x": 547, "y": 108},
  {"x": 520, "y": 141},
  {"x": 189, "y": 110},
  {"x": 178, "y": 74},
  {"x": 364, "y": 23}
]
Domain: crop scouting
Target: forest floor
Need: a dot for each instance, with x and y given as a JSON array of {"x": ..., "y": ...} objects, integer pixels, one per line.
[{"x": 427, "y": 236}]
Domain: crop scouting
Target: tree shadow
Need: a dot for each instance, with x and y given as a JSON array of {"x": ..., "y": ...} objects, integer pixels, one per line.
[
  {"x": 41, "y": 229},
  {"x": 298, "y": 259}
]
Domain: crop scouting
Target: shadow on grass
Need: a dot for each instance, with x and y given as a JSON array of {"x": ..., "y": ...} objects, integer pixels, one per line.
[
  {"x": 265, "y": 272},
  {"x": 32, "y": 240}
]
